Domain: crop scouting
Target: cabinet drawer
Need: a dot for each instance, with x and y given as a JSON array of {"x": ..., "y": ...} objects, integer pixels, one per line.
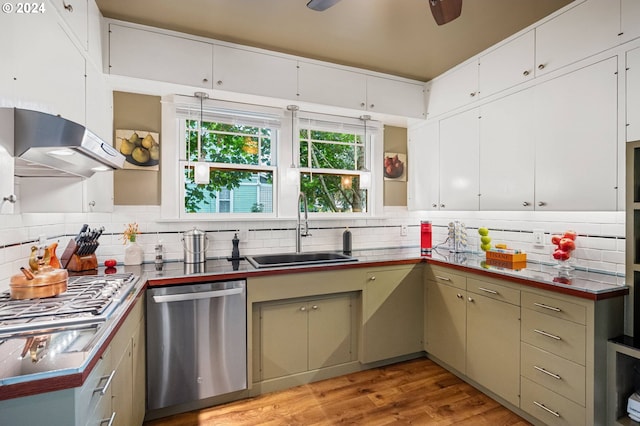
[
  {"x": 88, "y": 398},
  {"x": 123, "y": 337},
  {"x": 553, "y": 372},
  {"x": 563, "y": 338},
  {"x": 102, "y": 414},
  {"x": 494, "y": 291},
  {"x": 554, "y": 307},
  {"x": 550, "y": 407},
  {"x": 445, "y": 276}
]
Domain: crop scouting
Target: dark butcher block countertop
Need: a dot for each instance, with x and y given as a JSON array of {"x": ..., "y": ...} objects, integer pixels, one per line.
[{"x": 71, "y": 369}]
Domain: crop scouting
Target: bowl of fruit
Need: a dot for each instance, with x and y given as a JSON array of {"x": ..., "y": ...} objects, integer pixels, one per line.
[
  {"x": 565, "y": 245},
  {"x": 393, "y": 167}
]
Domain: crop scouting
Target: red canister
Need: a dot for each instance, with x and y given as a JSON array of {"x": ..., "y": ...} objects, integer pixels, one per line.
[{"x": 425, "y": 237}]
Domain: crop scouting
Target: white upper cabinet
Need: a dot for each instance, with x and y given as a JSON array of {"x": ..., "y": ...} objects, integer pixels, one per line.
[
  {"x": 459, "y": 166},
  {"x": 146, "y": 54},
  {"x": 507, "y": 153},
  {"x": 633, "y": 95},
  {"x": 457, "y": 88},
  {"x": 74, "y": 13},
  {"x": 238, "y": 70},
  {"x": 584, "y": 30},
  {"x": 630, "y": 22},
  {"x": 576, "y": 140},
  {"x": 395, "y": 97},
  {"x": 423, "y": 183},
  {"x": 507, "y": 65},
  {"x": 331, "y": 86}
]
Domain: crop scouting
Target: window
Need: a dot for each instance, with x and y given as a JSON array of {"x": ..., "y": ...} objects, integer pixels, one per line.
[
  {"x": 333, "y": 160},
  {"x": 239, "y": 149}
]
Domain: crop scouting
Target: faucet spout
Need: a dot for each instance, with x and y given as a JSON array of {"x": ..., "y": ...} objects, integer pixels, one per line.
[{"x": 299, "y": 230}]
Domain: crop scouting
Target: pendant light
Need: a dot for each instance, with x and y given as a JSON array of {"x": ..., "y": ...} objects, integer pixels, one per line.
[
  {"x": 201, "y": 170},
  {"x": 365, "y": 174},
  {"x": 293, "y": 173}
]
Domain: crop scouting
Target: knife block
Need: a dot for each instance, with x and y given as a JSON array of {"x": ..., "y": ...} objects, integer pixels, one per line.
[{"x": 75, "y": 263}]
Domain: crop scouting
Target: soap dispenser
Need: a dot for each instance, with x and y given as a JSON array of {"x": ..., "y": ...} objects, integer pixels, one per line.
[
  {"x": 235, "y": 252},
  {"x": 346, "y": 242}
]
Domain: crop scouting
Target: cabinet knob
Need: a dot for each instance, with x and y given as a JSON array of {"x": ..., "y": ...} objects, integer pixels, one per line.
[
  {"x": 10, "y": 198},
  {"x": 205, "y": 80},
  {"x": 303, "y": 308},
  {"x": 459, "y": 296},
  {"x": 372, "y": 106},
  {"x": 525, "y": 204},
  {"x": 434, "y": 205},
  {"x": 441, "y": 205},
  {"x": 472, "y": 94},
  {"x": 314, "y": 307},
  {"x": 541, "y": 66},
  {"x": 373, "y": 278},
  {"x": 219, "y": 82},
  {"x": 470, "y": 299},
  {"x": 526, "y": 73},
  {"x": 541, "y": 204},
  {"x": 67, "y": 7},
  {"x": 362, "y": 104}
]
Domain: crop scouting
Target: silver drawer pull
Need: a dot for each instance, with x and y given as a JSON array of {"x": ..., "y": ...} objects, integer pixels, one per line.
[
  {"x": 110, "y": 419},
  {"x": 544, "y": 333},
  {"x": 555, "y": 413},
  {"x": 488, "y": 290},
  {"x": 443, "y": 278},
  {"x": 542, "y": 370},
  {"x": 103, "y": 389},
  {"x": 551, "y": 308}
]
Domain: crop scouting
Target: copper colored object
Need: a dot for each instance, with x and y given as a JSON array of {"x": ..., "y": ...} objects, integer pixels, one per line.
[
  {"x": 444, "y": 11},
  {"x": 46, "y": 283}
]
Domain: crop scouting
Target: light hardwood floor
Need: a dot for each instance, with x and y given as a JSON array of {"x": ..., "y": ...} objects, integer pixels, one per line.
[{"x": 417, "y": 392}]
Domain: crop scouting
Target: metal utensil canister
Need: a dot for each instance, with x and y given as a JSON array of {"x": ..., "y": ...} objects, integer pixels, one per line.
[{"x": 195, "y": 243}]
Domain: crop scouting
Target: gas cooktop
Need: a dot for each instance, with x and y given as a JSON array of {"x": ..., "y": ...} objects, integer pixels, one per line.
[{"x": 88, "y": 300}]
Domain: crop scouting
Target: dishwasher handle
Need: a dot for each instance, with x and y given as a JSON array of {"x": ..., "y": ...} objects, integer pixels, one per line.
[{"x": 182, "y": 297}]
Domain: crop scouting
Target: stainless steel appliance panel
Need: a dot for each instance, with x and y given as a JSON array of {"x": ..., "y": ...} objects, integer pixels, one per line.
[{"x": 196, "y": 342}]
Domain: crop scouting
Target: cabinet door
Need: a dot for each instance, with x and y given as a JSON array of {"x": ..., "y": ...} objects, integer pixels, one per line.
[
  {"x": 283, "y": 332},
  {"x": 459, "y": 166},
  {"x": 493, "y": 345},
  {"x": 154, "y": 56},
  {"x": 395, "y": 97},
  {"x": 330, "y": 332},
  {"x": 630, "y": 20},
  {"x": 331, "y": 86},
  {"x": 576, "y": 140},
  {"x": 455, "y": 89},
  {"x": 50, "y": 52},
  {"x": 633, "y": 95},
  {"x": 238, "y": 70},
  {"x": 6, "y": 159},
  {"x": 445, "y": 322},
  {"x": 74, "y": 13},
  {"x": 508, "y": 65},
  {"x": 423, "y": 183},
  {"x": 121, "y": 398},
  {"x": 507, "y": 152},
  {"x": 392, "y": 314},
  {"x": 139, "y": 374},
  {"x": 586, "y": 29}
]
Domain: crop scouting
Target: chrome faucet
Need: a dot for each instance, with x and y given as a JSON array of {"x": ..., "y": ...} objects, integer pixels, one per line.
[{"x": 299, "y": 232}]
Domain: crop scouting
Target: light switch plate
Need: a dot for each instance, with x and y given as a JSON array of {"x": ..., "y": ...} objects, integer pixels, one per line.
[
  {"x": 404, "y": 230},
  {"x": 538, "y": 237}
]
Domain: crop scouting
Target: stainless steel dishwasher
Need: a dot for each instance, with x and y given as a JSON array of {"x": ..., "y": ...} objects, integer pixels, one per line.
[{"x": 196, "y": 342}]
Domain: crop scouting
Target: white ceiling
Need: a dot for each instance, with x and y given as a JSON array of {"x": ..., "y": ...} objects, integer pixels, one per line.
[{"x": 398, "y": 37}]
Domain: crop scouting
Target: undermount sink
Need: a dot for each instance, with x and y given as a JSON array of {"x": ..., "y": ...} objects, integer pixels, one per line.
[{"x": 292, "y": 259}]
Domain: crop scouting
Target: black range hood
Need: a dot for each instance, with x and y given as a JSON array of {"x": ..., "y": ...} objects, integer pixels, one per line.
[{"x": 46, "y": 145}]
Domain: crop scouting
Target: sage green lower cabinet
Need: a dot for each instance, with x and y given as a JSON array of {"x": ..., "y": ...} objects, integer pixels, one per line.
[
  {"x": 392, "y": 323},
  {"x": 306, "y": 334},
  {"x": 493, "y": 338}
]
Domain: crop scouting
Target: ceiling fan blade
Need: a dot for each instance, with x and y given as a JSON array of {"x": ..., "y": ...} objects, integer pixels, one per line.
[
  {"x": 320, "y": 5},
  {"x": 445, "y": 10}
]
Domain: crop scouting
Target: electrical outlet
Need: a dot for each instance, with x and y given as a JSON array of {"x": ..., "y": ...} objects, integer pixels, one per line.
[
  {"x": 538, "y": 237},
  {"x": 404, "y": 230}
]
